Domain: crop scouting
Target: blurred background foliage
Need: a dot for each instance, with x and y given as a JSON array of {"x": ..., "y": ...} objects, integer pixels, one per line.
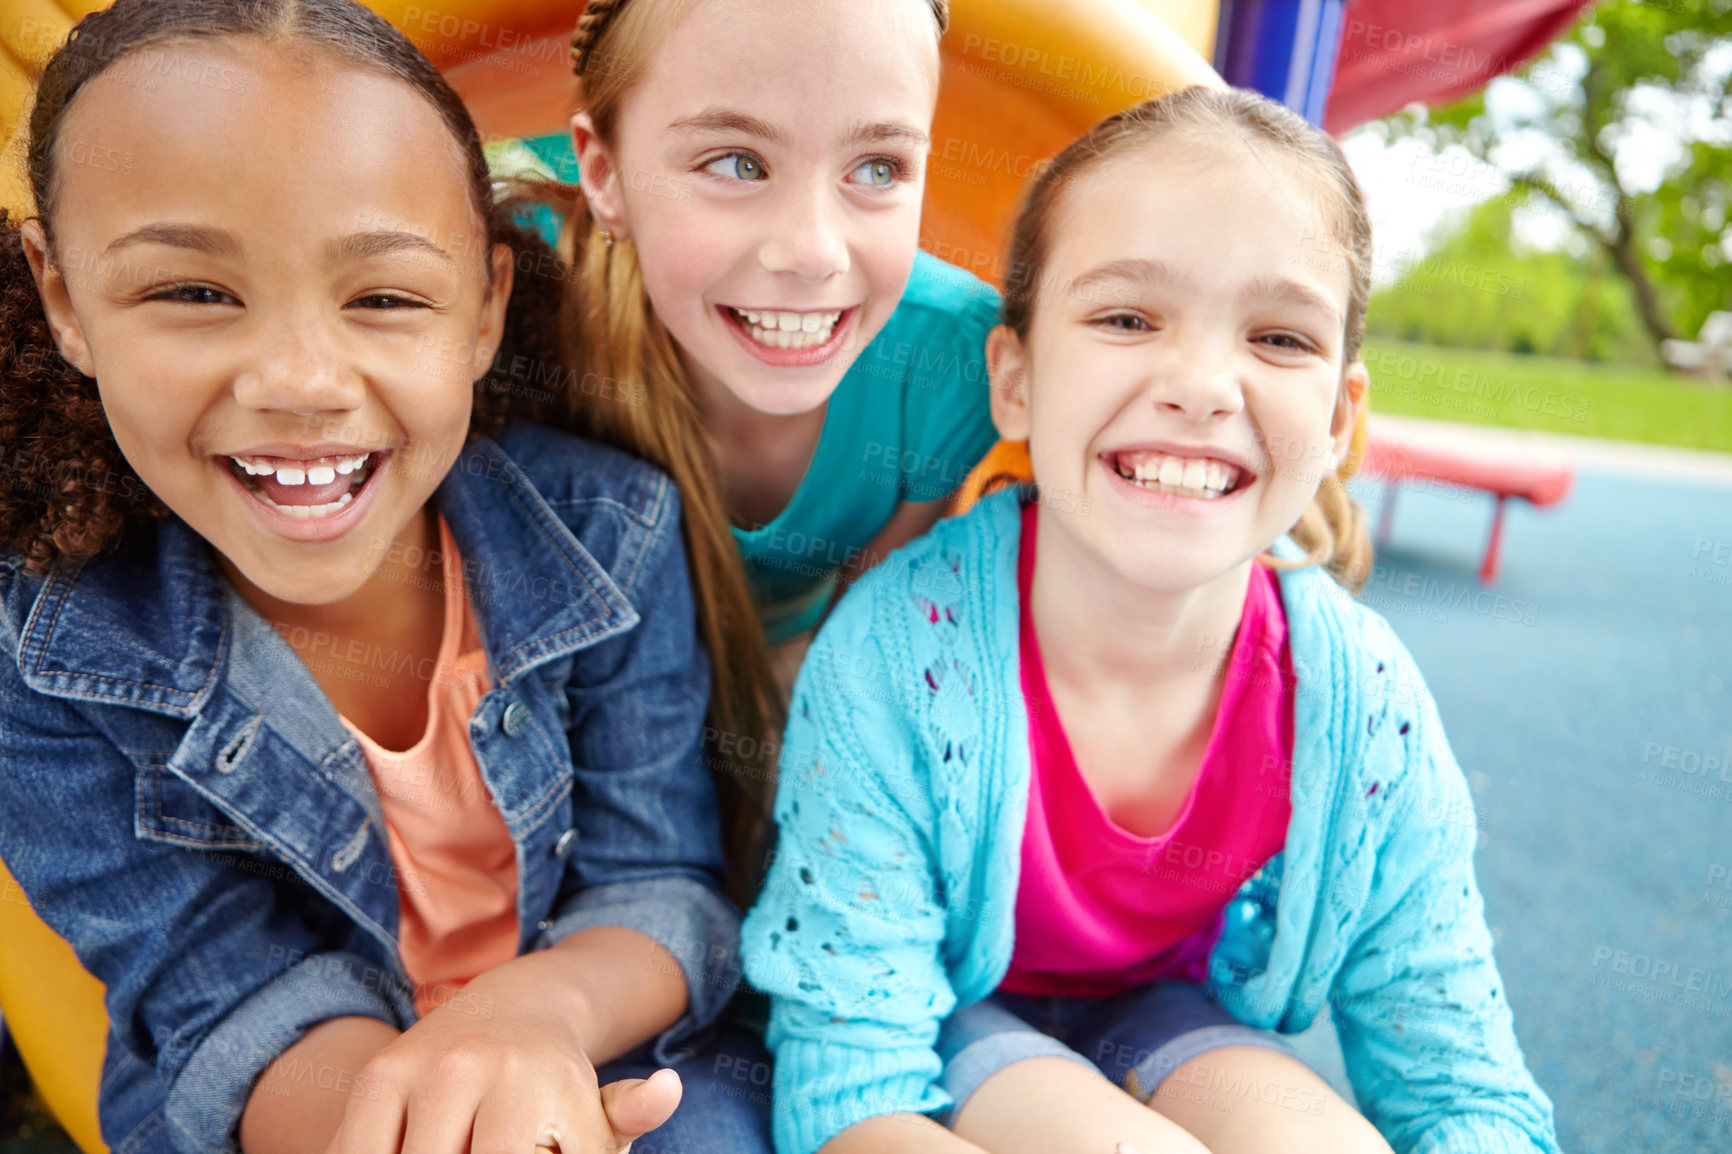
[{"x": 1622, "y": 134}]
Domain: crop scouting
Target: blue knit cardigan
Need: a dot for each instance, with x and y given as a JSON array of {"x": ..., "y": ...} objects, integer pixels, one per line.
[{"x": 904, "y": 782}]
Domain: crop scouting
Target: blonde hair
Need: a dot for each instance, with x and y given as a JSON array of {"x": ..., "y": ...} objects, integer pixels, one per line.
[
  {"x": 612, "y": 331},
  {"x": 1332, "y": 530}
]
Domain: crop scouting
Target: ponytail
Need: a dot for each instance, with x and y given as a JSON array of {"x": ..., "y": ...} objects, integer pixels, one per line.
[
  {"x": 1333, "y": 530},
  {"x": 1333, "y": 533},
  {"x": 633, "y": 393}
]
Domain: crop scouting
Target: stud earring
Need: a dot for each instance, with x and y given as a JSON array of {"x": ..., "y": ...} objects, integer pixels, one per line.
[{"x": 607, "y": 237}]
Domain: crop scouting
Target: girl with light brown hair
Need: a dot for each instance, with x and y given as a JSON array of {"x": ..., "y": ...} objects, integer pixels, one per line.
[{"x": 1107, "y": 779}]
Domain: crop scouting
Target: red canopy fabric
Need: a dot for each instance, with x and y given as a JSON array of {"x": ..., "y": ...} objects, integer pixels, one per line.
[{"x": 1396, "y": 52}]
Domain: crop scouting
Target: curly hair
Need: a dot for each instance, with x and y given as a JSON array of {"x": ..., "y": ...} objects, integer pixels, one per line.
[{"x": 66, "y": 491}]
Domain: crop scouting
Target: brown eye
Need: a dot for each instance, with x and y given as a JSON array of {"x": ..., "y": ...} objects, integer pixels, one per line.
[
  {"x": 193, "y": 294},
  {"x": 1124, "y": 323},
  {"x": 387, "y": 301}
]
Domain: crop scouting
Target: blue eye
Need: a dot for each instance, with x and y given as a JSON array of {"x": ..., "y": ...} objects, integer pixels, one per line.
[
  {"x": 877, "y": 173},
  {"x": 737, "y": 166}
]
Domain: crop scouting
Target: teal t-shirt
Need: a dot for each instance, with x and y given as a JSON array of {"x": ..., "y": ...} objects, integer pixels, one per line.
[{"x": 909, "y": 421}]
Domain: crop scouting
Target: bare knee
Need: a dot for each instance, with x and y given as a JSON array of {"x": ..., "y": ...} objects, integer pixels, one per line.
[
  {"x": 1043, "y": 1104},
  {"x": 1246, "y": 1098}
]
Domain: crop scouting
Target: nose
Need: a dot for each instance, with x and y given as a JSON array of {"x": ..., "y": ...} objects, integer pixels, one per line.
[
  {"x": 298, "y": 367},
  {"x": 806, "y": 237},
  {"x": 1196, "y": 379}
]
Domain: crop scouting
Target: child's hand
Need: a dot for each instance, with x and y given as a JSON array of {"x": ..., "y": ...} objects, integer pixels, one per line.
[{"x": 518, "y": 1079}]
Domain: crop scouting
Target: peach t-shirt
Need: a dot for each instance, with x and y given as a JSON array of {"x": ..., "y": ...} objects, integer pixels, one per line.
[{"x": 456, "y": 862}]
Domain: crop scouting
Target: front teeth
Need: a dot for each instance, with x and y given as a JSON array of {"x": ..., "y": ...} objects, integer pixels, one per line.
[
  {"x": 295, "y": 475},
  {"x": 789, "y": 330},
  {"x": 1186, "y": 477}
]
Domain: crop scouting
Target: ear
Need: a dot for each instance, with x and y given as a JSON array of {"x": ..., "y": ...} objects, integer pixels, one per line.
[
  {"x": 1349, "y": 401},
  {"x": 56, "y": 299},
  {"x": 1007, "y": 368},
  {"x": 491, "y": 334},
  {"x": 598, "y": 175}
]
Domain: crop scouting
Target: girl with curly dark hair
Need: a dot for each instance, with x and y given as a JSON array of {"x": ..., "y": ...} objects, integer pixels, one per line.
[{"x": 350, "y": 730}]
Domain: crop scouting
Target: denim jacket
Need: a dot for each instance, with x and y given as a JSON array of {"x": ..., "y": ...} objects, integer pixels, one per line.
[{"x": 180, "y": 801}]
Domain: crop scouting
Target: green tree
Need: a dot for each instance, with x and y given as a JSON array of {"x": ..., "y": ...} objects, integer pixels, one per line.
[
  {"x": 1625, "y": 65},
  {"x": 1479, "y": 287}
]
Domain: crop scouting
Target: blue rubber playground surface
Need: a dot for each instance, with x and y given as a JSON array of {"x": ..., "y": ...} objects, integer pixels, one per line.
[{"x": 1588, "y": 696}]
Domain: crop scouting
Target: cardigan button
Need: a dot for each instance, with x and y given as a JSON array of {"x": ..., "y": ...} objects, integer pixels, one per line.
[
  {"x": 562, "y": 847},
  {"x": 515, "y": 720}
]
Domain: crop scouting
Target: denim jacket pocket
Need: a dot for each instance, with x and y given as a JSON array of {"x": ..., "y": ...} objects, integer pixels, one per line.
[{"x": 172, "y": 811}]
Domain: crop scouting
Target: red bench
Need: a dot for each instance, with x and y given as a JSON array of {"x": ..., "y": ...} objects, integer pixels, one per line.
[{"x": 1399, "y": 452}]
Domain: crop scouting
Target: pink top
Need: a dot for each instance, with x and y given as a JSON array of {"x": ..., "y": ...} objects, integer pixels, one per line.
[
  {"x": 1100, "y": 910},
  {"x": 456, "y": 862}
]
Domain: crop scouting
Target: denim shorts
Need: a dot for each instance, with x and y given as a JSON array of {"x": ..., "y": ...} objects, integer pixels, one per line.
[{"x": 1135, "y": 1038}]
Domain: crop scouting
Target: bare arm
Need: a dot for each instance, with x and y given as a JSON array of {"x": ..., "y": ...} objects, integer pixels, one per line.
[{"x": 613, "y": 988}]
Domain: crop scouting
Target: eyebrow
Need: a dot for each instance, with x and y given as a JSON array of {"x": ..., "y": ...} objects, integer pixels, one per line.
[
  {"x": 383, "y": 242},
  {"x": 1268, "y": 288},
  {"x": 877, "y": 133},
  {"x": 1284, "y": 290},
  {"x": 1134, "y": 271},
  {"x": 218, "y": 242},
  {"x": 199, "y": 238},
  {"x": 721, "y": 121},
  {"x": 726, "y": 121}
]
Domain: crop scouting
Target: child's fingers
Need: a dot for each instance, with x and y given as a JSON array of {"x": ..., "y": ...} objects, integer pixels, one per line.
[
  {"x": 635, "y": 1106},
  {"x": 440, "y": 1122},
  {"x": 503, "y": 1122},
  {"x": 1126, "y": 1148},
  {"x": 371, "y": 1125}
]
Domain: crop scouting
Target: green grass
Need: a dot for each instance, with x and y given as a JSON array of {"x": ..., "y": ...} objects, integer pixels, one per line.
[{"x": 1476, "y": 386}]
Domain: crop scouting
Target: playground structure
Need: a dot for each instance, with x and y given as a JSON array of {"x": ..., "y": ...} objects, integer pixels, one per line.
[
  {"x": 1399, "y": 453},
  {"x": 1021, "y": 78},
  {"x": 1709, "y": 354}
]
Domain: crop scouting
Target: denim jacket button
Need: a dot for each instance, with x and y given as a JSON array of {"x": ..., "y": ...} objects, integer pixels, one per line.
[
  {"x": 516, "y": 719},
  {"x": 562, "y": 847}
]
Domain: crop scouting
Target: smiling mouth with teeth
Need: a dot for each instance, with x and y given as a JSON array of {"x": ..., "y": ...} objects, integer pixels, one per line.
[
  {"x": 784, "y": 330},
  {"x": 1204, "y": 478},
  {"x": 305, "y": 490}
]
